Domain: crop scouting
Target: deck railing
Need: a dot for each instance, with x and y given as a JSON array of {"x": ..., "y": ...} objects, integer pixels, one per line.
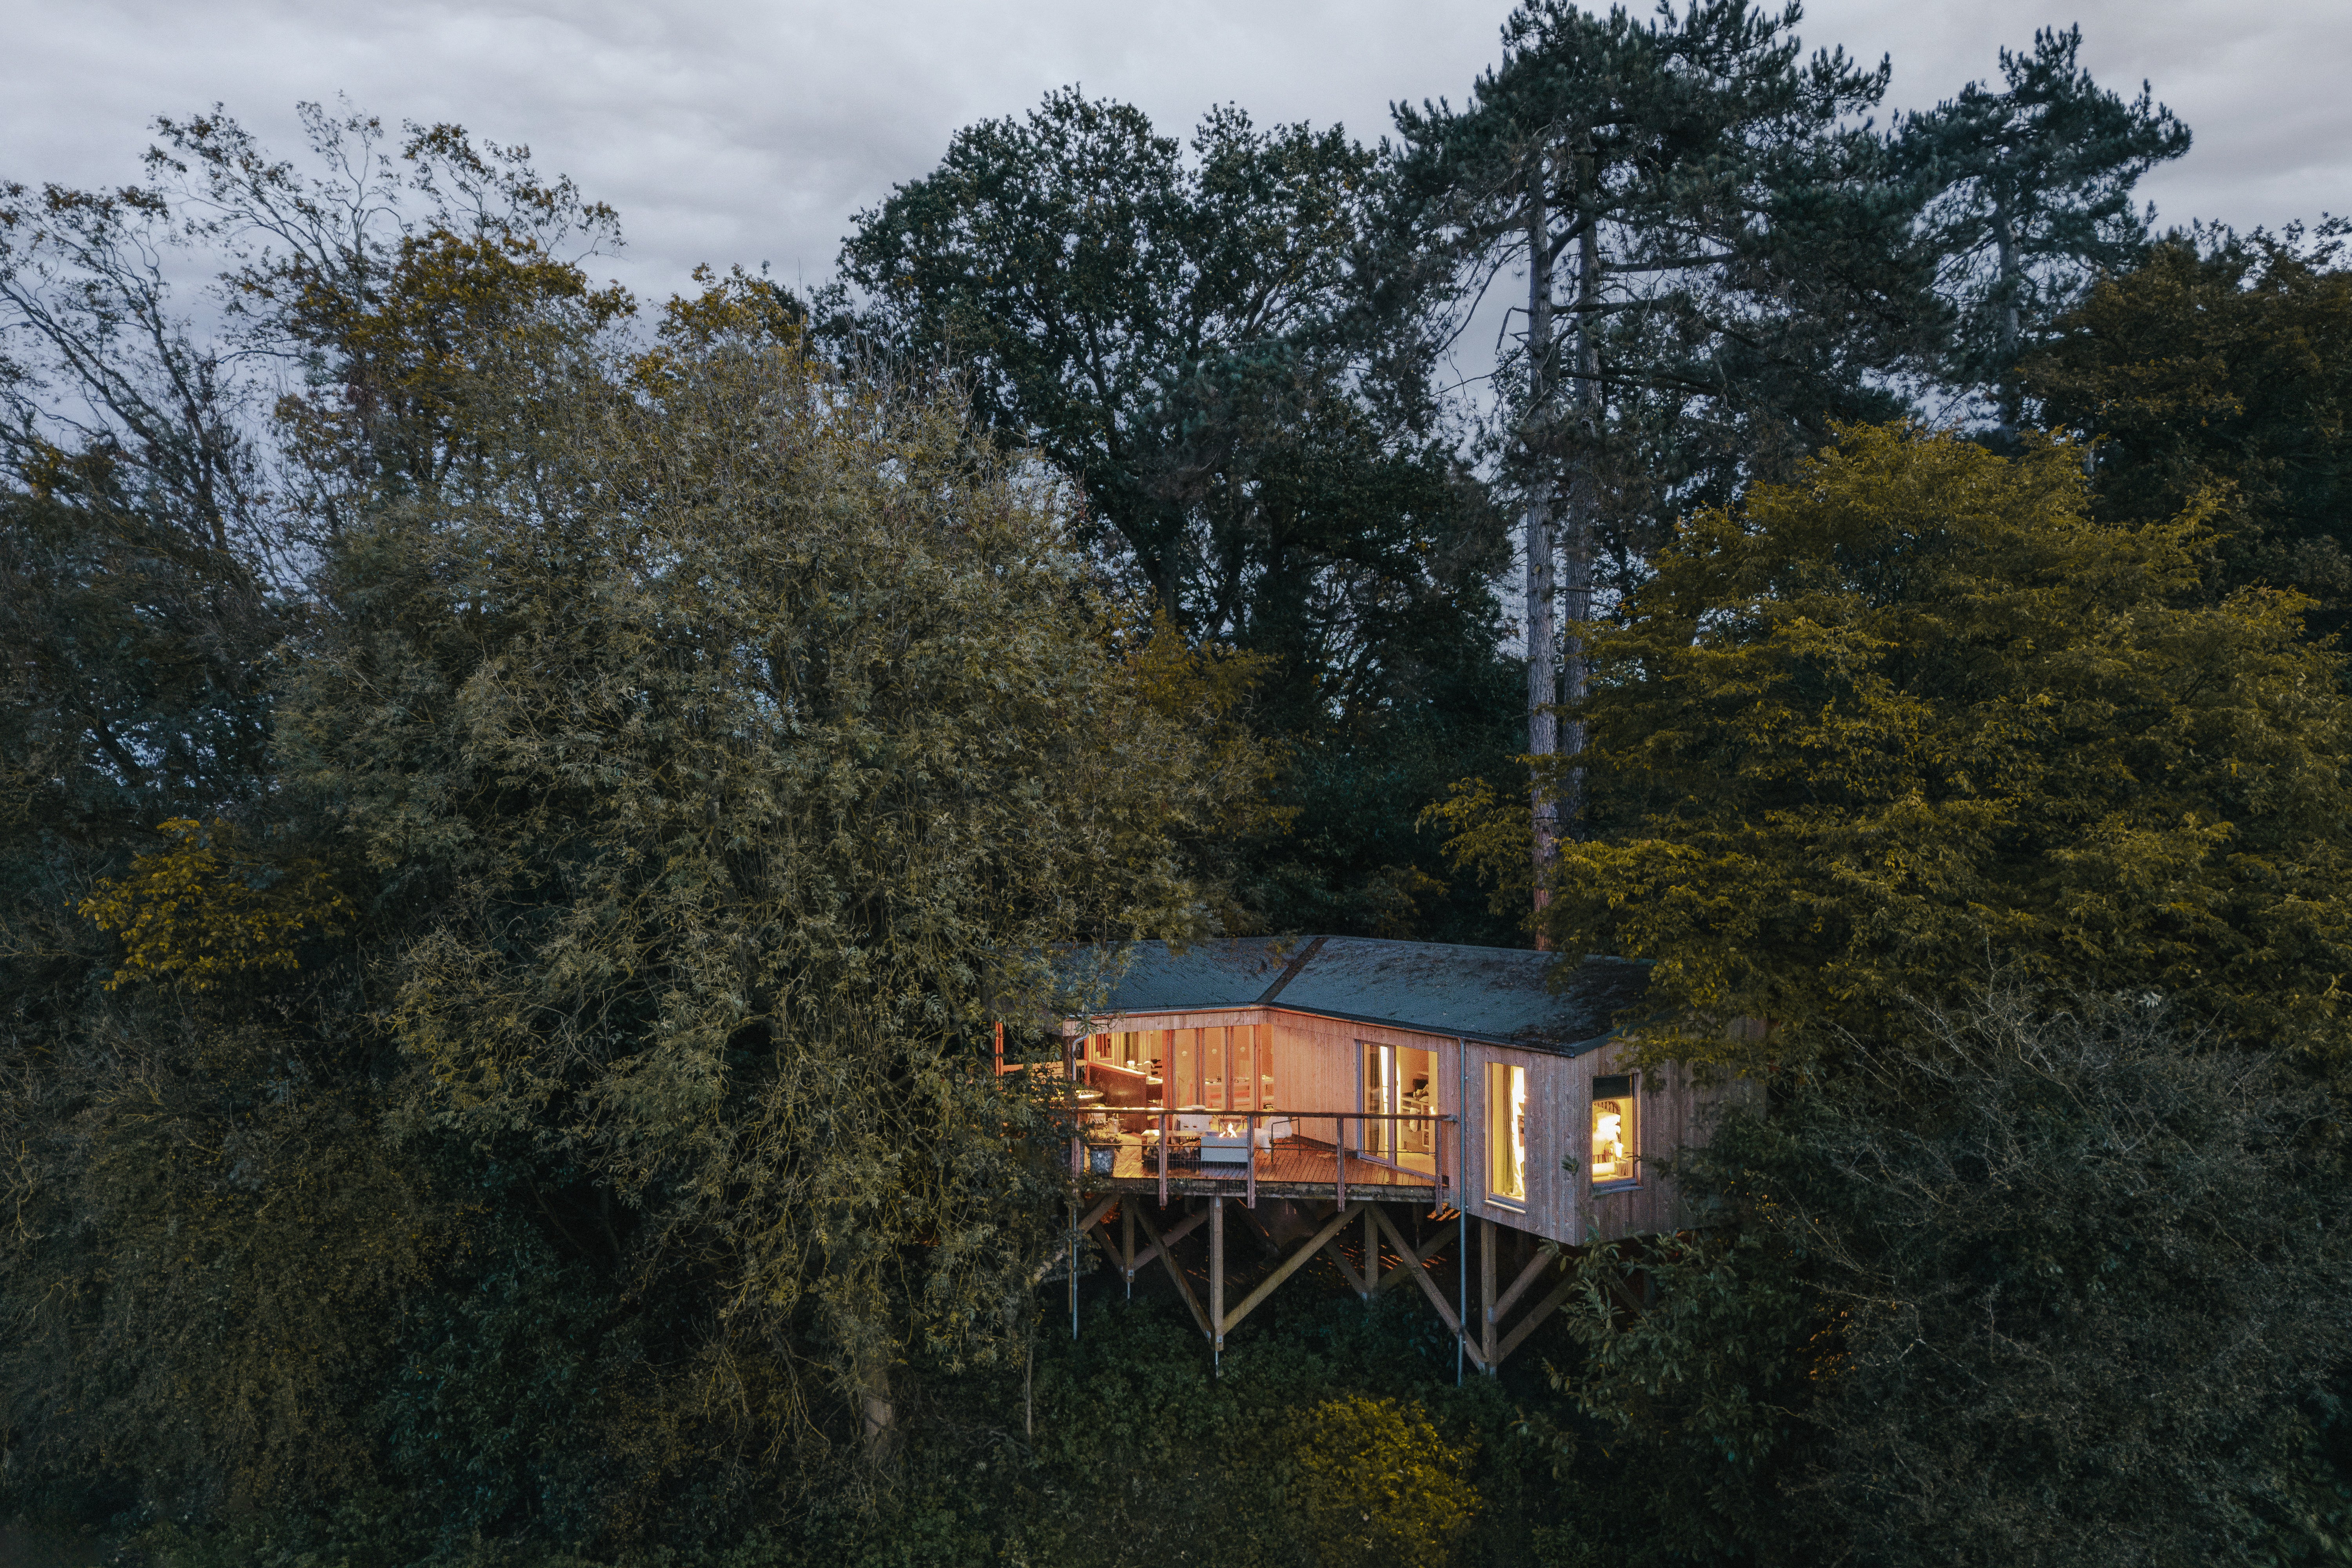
[{"x": 1248, "y": 1121}]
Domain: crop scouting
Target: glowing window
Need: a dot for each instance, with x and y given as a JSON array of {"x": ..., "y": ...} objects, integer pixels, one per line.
[
  {"x": 1507, "y": 1133},
  {"x": 1616, "y": 1131}
]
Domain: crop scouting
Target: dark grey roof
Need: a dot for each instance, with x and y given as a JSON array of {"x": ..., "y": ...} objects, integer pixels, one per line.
[{"x": 1499, "y": 994}]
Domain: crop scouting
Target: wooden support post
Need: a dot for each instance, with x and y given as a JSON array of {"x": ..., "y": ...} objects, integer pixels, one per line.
[
  {"x": 1167, "y": 1260},
  {"x": 1429, "y": 1288},
  {"x": 1339, "y": 1161},
  {"x": 1371, "y": 1257},
  {"x": 1249, "y": 1144},
  {"x": 1486, "y": 1229},
  {"x": 1217, "y": 1275},
  {"x": 1324, "y": 1238},
  {"x": 1127, "y": 1242}
]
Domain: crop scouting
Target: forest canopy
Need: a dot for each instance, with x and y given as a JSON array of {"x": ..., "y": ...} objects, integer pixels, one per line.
[{"x": 524, "y": 812}]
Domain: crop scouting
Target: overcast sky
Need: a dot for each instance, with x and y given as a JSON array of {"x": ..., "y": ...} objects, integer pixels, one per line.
[{"x": 751, "y": 131}]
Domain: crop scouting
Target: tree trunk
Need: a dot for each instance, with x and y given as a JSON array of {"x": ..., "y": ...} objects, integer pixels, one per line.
[
  {"x": 877, "y": 1413},
  {"x": 1543, "y": 733},
  {"x": 1583, "y": 502},
  {"x": 2012, "y": 326}
]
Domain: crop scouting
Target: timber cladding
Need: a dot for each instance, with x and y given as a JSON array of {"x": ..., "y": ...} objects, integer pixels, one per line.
[{"x": 1317, "y": 1064}]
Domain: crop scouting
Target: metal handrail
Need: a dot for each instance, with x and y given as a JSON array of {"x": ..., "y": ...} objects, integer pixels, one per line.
[{"x": 1339, "y": 1120}]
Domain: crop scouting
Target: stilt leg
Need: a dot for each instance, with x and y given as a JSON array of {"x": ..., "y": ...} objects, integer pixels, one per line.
[
  {"x": 1487, "y": 1292},
  {"x": 1127, "y": 1242},
  {"x": 1217, "y": 1278},
  {"x": 1371, "y": 1257}
]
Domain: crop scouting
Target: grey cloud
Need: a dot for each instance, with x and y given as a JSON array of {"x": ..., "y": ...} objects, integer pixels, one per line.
[{"x": 732, "y": 132}]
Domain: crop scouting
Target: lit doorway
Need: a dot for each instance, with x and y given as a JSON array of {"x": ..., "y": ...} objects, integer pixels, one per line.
[{"x": 1401, "y": 1081}]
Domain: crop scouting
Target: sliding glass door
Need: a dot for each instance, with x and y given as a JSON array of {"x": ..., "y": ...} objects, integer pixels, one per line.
[{"x": 1400, "y": 1081}]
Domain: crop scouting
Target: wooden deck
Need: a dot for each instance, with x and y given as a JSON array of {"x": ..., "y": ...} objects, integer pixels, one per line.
[{"x": 1292, "y": 1168}]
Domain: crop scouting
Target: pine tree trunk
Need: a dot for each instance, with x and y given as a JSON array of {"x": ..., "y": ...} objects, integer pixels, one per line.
[
  {"x": 2012, "y": 327},
  {"x": 1583, "y": 501},
  {"x": 1543, "y": 733}
]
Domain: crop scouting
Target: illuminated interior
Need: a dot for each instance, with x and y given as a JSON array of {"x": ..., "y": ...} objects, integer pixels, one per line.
[
  {"x": 1616, "y": 1144},
  {"x": 1401, "y": 1081},
  {"x": 1219, "y": 1067},
  {"x": 1507, "y": 1133}
]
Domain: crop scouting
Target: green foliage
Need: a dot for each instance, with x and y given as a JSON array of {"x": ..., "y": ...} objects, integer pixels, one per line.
[
  {"x": 1731, "y": 258},
  {"x": 205, "y": 1228},
  {"x": 2028, "y": 194},
  {"x": 2215, "y": 373},
  {"x": 1919, "y": 713},
  {"x": 611, "y": 783},
  {"x": 707, "y": 748},
  {"x": 1373, "y": 1477},
  {"x": 1194, "y": 341},
  {"x": 752, "y": 746},
  {"x": 2015, "y": 1287}
]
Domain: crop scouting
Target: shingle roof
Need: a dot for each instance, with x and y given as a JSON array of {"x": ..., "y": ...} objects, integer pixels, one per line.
[{"x": 1497, "y": 994}]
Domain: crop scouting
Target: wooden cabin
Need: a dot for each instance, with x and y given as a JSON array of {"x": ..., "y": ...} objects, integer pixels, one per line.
[{"x": 1448, "y": 1100}]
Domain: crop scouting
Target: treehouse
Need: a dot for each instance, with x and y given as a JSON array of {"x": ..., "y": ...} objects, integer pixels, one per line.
[{"x": 1418, "y": 1114}]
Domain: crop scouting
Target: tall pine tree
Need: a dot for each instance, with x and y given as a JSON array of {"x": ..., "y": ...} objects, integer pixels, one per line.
[
  {"x": 1713, "y": 263},
  {"x": 2028, "y": 195}
]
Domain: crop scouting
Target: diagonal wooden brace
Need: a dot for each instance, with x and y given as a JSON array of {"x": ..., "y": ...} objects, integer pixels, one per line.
[
  {"x": 1536, "y": 1266},
  {"x": 1536, "y": 1315},
  {"x": 1356, "y": 1281},
  {"x": 1418, "y": 1261},
  {"x": 1429, "y": 1288},
  {"x": 1102, "y": 1238},
  {"x": 1168, "y": 1259},
  {"x": 1289, "y": 1266},
  {"x": 1176, "y": 1233},
  {"x": 1094, "y": 1218}
]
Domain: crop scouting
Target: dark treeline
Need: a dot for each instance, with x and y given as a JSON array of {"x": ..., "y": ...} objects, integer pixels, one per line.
[{"x": 519, "y": 805}]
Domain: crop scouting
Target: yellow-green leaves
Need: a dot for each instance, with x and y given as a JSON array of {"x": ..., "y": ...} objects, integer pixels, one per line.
[
  {"x": 205, "y": 911},
  {"x": 1375, "y": 1480},
  {"x": 1919, "y": 715}
]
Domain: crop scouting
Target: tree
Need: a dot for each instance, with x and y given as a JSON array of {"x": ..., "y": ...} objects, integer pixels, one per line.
[
  {"x": 2029, "y": 198},
  {"x": 213, "y": 1231},
  {"x": 1194, "y": 339},
  {"x": 580, "y": 906},
  {"x": 2018, "y": 1286},
  {"x": 2215, "y": 373},
  {"x": 743, "y": 752},
  {"x": 1919, "y": 712},
  {"x": 1684, "y": 194}
]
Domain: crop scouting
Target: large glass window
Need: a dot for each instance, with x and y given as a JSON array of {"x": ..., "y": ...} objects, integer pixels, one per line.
[
  {"x": 1507, "y": 1133},
  {"x": 1616, "y": 1131}
]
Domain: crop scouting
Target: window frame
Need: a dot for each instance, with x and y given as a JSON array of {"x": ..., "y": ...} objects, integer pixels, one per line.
[
  {"x": 1498, "y": 1102},
  {"x": 1631, "y": 1096}
]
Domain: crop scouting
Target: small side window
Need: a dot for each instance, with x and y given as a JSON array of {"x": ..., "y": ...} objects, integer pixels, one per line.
[{"x": 1616, "y": 1131}]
